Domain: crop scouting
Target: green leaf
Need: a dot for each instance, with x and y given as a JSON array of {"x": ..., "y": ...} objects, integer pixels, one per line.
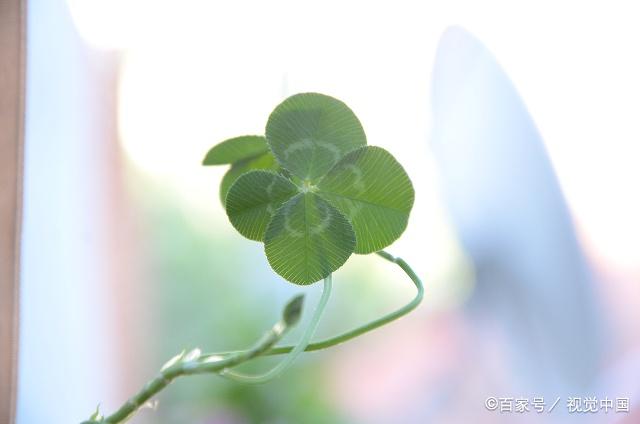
[
  {"x": 308, "y": 133},
  {"x": 308, "y": 239},
  {"x": 265, "y": 161},
  {"x": 236, "y": 149},
  {"x": 373, "y": 190},
  {"x": 254, "y": 198}
]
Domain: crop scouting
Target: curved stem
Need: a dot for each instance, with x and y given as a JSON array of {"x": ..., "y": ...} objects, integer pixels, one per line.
[
  {"x": 341, "y": 338},
  {"x": 216, "y": 363},
  {"x": 295, "y": 352},
  {"x": 182, "y": 365},
  {"x": 323, "y": 344}
]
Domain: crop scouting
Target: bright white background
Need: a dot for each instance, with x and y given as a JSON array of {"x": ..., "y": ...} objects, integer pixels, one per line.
[{"x": 197, "y": 72}]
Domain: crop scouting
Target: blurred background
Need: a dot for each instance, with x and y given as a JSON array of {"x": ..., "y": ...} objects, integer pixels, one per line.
[{"x": 517, "y": 122}]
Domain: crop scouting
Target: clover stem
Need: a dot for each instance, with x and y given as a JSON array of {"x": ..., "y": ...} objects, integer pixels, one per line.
[
  {"x": 220, "y": 362},
  {"x": 203, "y": 365},
  {"x": 372, "y": 325},
  {"x": 296, "y": 350}
]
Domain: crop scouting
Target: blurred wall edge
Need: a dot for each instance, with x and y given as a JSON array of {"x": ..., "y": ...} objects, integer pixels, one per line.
[
  {"x": 11, "y": 130},
  {"x": 75, "y": 308}
]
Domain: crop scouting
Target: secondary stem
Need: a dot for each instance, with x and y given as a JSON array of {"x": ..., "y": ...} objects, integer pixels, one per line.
[
  {"x": 341, "y": 338},
  {"x": 348, "y": 335},
  {"x": 208, "y": 364},
  {"x": 295, "y": 352},
  {"x": 217, "y": 363}
]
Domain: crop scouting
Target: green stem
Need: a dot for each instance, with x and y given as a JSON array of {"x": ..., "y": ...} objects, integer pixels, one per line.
[
  {"x": 295, "y": 352},
  {"x": 204, "y": 365},
  {"x": 219, "y": 363},
  {"x": 341, "y": 338},
  {"x": 373, "y": 324}
]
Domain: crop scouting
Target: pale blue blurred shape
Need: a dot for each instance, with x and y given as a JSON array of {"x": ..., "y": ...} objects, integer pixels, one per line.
[
  {"x": 512, "y": 219},
  {"x": 64, "y": 364}
]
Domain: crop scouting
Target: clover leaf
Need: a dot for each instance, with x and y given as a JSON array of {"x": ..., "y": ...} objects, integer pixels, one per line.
[
  {"x": 308, "y": 239},
  {"x": 309, "y": 133},
  {"x": 254, "y": 199},
  {"x": 243, "y": 153},
  {"x": 312, "y": 190}
]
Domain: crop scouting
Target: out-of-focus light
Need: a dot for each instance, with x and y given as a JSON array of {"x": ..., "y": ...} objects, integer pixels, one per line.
[
  {"x": 112, "y": 24},
  {"x": 174, "y": 104},
  {"x": 195, "y": 73},
  {"x": 221, "y": 71}
]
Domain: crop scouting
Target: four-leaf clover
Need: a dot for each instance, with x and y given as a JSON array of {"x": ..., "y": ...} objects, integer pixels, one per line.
[{"x": 311, "y": 189}]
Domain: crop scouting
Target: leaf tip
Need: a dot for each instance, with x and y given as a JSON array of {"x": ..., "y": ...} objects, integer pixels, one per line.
[{"x": 293, "y": 311}]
